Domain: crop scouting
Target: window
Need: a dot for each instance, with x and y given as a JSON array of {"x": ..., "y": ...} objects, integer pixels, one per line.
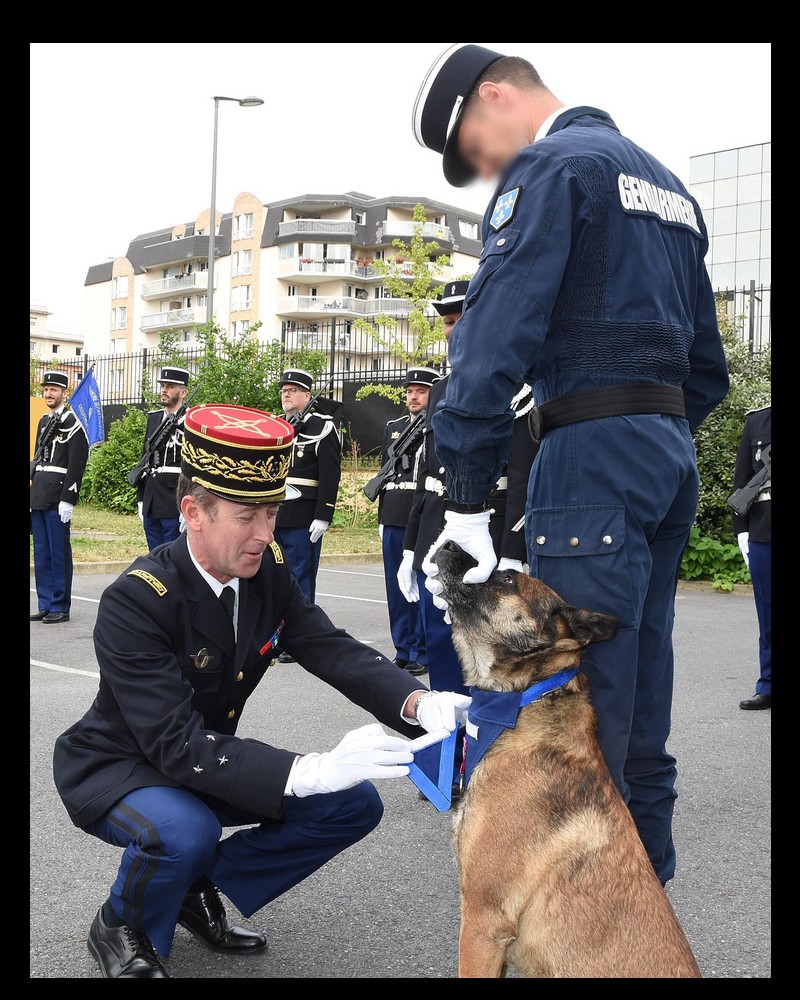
[
  {"x": 240, "y": 297},
  {"x": 469, "y": 230},
  {"x": 243, "y": 226},
  {"x": 202, "y": 265},
  {"x": 240, "y": 327},
  {"x": 376, "y": 364},
  {"x": 55, "y": 348},
  {"x": 118, "y": 345},
  {"x": 313, "y": 292},
  {"x": 347, "y": 364},
  {"x": 119, "y": 318},
  {"x": 33, "y": 321},
  {"x": 242, "y": 262},
  {"x": 78, "y": 351},
  {"x": 119, "y": 287},
  {"x": 438, "y": 220},
  {"x": 291, "y": 290},
  {"x": 380, "y": 255},
  {"x": 33, "y": 347},
  {"x": 202, "y": 300},
  {"x": 361, "y": 218},
  {"x": 286, "y": 251},
  {"x": 186, "y": 336}
]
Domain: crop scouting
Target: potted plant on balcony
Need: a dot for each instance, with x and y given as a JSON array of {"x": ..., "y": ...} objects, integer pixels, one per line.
[
  {"x": 306, "y": 260},
  {"x": 364, "y": 261}
]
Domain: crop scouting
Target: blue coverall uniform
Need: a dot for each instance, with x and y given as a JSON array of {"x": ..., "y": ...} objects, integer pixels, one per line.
[{"x": 592, "y": 274}]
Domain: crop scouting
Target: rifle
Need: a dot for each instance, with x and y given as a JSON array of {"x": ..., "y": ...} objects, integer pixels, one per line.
[
  {"x": 159, "y": 437},
  {"x": 742, "y": 500},
  {"x": 295, "y": 419},
  {"x": 50, "y": 431},
  {"x": 400, "y": 453}
]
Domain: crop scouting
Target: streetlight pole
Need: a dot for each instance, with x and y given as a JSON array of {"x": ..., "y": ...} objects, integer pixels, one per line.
[{"x": 245, "y": 102}]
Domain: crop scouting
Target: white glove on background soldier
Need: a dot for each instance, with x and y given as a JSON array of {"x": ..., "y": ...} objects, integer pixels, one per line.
[
  {"x": 743, "y": 538},
  {"x": 140, "y": 508},
  {"x": 317, "y": 530},
  {"x": 368, "y": 753},
  {"x": 442, "y": 710},
  {"x": 506, "y": 563},
  {"x": 380, "y": 532},
  {"x": 407, "y": 577},
  {"x": 471, "y": 531},
  {"x": 65, "y": 511}
]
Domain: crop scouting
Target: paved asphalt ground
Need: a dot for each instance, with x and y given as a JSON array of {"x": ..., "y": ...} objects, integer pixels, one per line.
[{"x": 389, "y": 906}]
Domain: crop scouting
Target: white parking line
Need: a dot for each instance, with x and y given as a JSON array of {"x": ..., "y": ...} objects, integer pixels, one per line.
[
  {"x": 89, "y": 600},
  {"x": 350, "y": 572},
  {"x": 64, "y": 670},
  {"x": 344, "y": 597}
]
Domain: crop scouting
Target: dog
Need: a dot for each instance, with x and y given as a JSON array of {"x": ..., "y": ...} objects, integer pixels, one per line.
[{"x": 554, "y": 880}]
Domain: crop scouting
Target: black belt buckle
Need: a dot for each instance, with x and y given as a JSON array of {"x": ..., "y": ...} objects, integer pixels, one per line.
[{"x": 536, "y": 424}]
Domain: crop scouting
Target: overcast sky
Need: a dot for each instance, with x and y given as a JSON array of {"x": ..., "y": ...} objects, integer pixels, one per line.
[{"x": 121, "y": 133}]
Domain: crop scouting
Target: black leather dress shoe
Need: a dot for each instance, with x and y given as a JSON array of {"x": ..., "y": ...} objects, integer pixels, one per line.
[
  {"x": 285, "y": 657},
  {"x": 54, "y": 617},
  {"x": 203, "y": 914},
  {"x": 123, "y": 953},
  {"x": 757, "y": 702},
  {"x": 416, "y": 669},
  {"x": 39, "y": 616},
  {"x": 400, "y": 663}
]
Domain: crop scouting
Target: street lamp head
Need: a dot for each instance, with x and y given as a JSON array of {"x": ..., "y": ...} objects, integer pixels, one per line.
[{"x": 251, "y": 102}]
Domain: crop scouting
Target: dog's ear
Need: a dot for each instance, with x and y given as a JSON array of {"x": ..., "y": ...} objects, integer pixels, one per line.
[{"x": 589, "y": 626}]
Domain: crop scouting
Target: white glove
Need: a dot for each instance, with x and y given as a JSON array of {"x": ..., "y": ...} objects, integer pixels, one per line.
[
  {"x": 380, "y": 532},
  {"x": 506, "y": 563},
  {"x": 442, "y": 710},
  {"x": 365, "y": 753},
  {"x": 181, "y": 522},
  {"x": 65, "y": 511},
  {"x": 317, "y": 530},
  {"x": 743, "y": 538},
  {"x": 471, "y": 531},
  {"x": 140, "y": 508},
  {"x": 407, "y": 577}
]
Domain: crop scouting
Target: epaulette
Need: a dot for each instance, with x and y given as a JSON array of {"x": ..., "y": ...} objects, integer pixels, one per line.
[
  {"x": 277, "y": 553},
  {"x": 150, "y": 580}
]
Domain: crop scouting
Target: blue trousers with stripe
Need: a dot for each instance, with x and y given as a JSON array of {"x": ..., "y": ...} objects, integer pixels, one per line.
[
  {"x": 171, "y": 837},
  {"x": 52, "y": 560},
  {"x": 302, "y": 556},
  {"x": 405, "y": 619},
  {"x": 761, "y": 572},
  {"x": 158, "y": 530}
]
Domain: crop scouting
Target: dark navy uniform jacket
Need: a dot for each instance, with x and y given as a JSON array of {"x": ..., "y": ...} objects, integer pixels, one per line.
[
  {"x": 315, "y": 471},
  {"x": 591, "y": 274},
  {"x": 173, "y": 686},
  {"x": 757, "y": 434},
  {"x": 61, "y": 468},
  {"x": 158, "y": 489},
  {"x": 507, "y": 495},
  {"x": 397, "y": 495}
]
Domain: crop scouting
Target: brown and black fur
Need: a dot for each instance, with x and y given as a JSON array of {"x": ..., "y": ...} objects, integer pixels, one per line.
[{"x": 555, "y": 882}]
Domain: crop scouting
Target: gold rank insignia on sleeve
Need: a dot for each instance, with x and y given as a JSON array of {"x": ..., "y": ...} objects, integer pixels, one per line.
[
  {"x": 276, "y": 552},
  {"x": 395, "y": 434},
  {"x": 151, "y": 580}
]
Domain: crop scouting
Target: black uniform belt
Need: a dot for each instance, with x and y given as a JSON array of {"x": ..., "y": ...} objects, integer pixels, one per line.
[{"x": 605, "y": 401}]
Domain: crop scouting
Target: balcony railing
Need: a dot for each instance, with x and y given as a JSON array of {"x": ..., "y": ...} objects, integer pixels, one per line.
[
  {"x": 337, "y": 227},
  {"x": 322, "y": 304},
  {"x": 175, "y": 317},
  {"x": 237, "y": 272},
  {"x": 402, "y": 229},
  {"x": 186, "y": 282},
  {"x": 331, "y": 266},
  {"x": 241, "y": 306},
  {"x": 242, "y": 234}
]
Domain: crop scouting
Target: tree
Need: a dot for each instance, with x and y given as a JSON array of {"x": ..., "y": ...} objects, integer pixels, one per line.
[
  {"x": 717, "y": 438},
  {"x": 425, "y": 343}
]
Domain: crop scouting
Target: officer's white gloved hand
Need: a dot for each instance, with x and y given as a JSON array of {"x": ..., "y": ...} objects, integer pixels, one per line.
[
  {"x": 65, "y": 511},
  {"x": 407, "y": 577},
  {"x": 368, "y": 753},
  {"x": 442, "y": 710},
  {"x": 471, "y": 532},
  {"x": 380, "y": 532},
  {"x": 506, "y": 563},
  {"x": 743, "y": 538},
  {"x": 317, "y": 530},
  {"x": 140, "y": 508},
  {"x": 181, "y": 522}
]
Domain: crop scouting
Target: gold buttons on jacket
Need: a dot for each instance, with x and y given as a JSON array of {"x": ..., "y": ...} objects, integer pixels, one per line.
[
  {"x": 239, "y": 677},
  {"x": 540, "y": 539},
  {"x": 574, "y": 542},
  {"x": 231, "y": 713}
]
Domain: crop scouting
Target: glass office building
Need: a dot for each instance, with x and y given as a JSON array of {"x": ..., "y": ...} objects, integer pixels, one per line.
[{"x": 733, "y": 188}]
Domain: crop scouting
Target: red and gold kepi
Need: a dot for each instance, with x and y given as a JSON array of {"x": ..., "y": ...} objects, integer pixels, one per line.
[{"x": 238, "y": 453}]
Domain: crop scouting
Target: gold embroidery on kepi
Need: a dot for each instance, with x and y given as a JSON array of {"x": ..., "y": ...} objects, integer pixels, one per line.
[
  {"x": 276, "y": 551},
  {"x": 238, "y": 453},
  {"x": 150, "y": 580}
]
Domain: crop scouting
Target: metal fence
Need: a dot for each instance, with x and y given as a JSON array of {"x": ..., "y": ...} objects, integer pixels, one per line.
[{"x": 751, "y": 305}]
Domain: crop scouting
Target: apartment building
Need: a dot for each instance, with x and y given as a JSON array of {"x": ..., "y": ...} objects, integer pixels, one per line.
[
  {"x": 53, "y": 346},
  {"x": 295, "y": 265}
]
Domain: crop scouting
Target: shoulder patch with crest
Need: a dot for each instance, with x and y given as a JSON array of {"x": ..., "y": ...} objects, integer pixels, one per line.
[
  {"x": 505, "y": 208},
  {"x": 150, "y": 580},
  {"x": 277, "y": 554}
]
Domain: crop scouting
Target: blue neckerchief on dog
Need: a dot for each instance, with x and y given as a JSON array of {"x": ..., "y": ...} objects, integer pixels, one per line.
[
  {"x": 432, "y": 769},
  {"x": 490, "y": 712}
]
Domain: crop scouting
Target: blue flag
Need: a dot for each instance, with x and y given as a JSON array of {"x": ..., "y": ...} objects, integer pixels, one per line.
[{"x": 85, "y": 404}]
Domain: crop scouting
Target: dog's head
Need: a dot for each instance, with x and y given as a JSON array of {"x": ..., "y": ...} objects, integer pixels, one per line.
[{"x": 512, "y": 630}]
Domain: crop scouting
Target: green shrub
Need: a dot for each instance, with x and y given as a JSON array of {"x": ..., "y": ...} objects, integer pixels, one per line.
[
  {"x": 707, "y": 559},
  {"x": 105, "y": 482}
]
